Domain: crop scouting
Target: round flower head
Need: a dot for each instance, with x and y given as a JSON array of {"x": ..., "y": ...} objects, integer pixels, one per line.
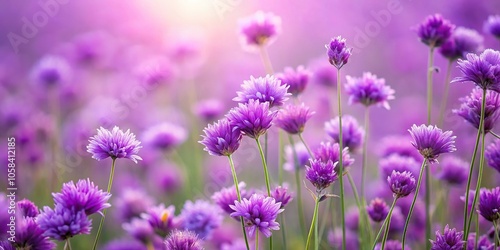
[
  {"x": 377, "y": 210},
  {"x": 492, "y": 26},
  {"x": 114, "y": 144},
  {"x": 337, "y": 52},
  {"x": 489, "y": 203},
  {"x": 492, "y": 155},
  {"x": 297, "y": 159},
  {"x": 352, "y": 218},
  {"x": 398, "y": 163},
  {"x": 296, "y": 80},
  {"x": 140, "y": 230},
  {"x": 281, "y": 195},
  {"x": 227, "y": 196},
  {"x": 431, "y": 141},
  {"x": 265, "y": 89},
  {"x": 482, "y": 244},
  {"x": 368, "y": 90},
  {"x": 221, "y": 138},
  {"x": 260, "y": 29},
  {"x": 84, "y": 195},
  {"x": 470, "y": 109},
  {"x": 293, "y": 118},
  {"x": 461, "y": 42},
  {"x": 328, "y": 151},
  {"x": 51, "y": 71},
  {"x": 200, "y": 217},
  {"x": 454, "y": 170},
  {"x": 29, "y": 235},
  {"x": 183, "y": 240},
  {"x": 435, "y": 30},
  {"x": 483, "y": 70},
  {"x": 165, "y": 136},
  {"x": 450, "y": 239},
  {"x": 210, "y": 109},
  {"x": 401, "y": 184},
  {"x": 161, "y": 219},
  {"x": 321, "y": 174},
  {"x": 391, "y": 245},
  {"x": 352, "y": 133},
  {"x": 62, "y": 223},
  {"x": 259, "y": 213},
  {"x": 27, "y": 208},
  {"x": 253, "y": 119}
]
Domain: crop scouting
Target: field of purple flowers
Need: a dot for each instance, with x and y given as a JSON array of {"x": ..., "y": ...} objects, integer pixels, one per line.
[{"x": 230, "y": 124}]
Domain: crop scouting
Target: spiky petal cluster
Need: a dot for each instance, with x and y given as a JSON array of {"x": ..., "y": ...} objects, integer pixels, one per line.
[
  {"x": 492, "y": 26},
  {"x": 281, "y": 195},
  {"x": 259, "y": 213},
  {"x": 29, "y": 235},
  {"x": 461, "y": 42},
  {"x": 337, "y": 51},
  {"x": 435, "y": 30},
  {"x": 377, "y": 210},
  {"x": 483, "y": 70},
  {"x": 27, "y": 208},
  {"x": 62, "y": 223},
  {"x": 200, "y": 217},
  {"x": 293, "y": 118},
  {"x": 260, "y": 29},
  {"x": 296, "y": 80},
  {"x": 492, "y": 155},
  {"x": 470, "y": 109},
  {"x": 164, "y": 136},
  {"x": 489, "y": 203},
  {"x": 265, "y": 89},
  {"x": 183, "y": 240},
  {"x": 454, "y": 170},
  {"x": 450, "y": 240},
  {"x": 227, "y": 196},
  {"x": 431, "y": 141},
  {"x": 352, "y": 133},
  {"x": 401, "y": 184},
  {"x": 83, "y": 195},
  {"x": 253, "y": 119},
  {"x": 114, "y": 144},
  {"x": 328, "y": 151},
  {"x": 221, "y": 138},
  {"x": 369, "y": 90},
  {"x": 321, "y": 174}
]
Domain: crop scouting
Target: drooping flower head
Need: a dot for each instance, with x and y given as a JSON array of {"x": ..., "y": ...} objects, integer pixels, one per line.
[
  {"x": 62, "y": 223},
  {"x": 352, "y": 133},
  {"x": 183, "y": 240},
  {"x": 296, "y": 157},
  {"x": 27, "y": 208},
  {"x": 221, "y": 138},
  {"x": 29, "y": 235},
  {"x": 321, "y": 174},
  {"x": 450, "y": 239},
  {"x": 470, "y": 109},
  {"x": 492, "y": 26},
  {"x": 259, "y": 213},
  {"x": 200, "y": 217},
  {"x": 82, "y": 195},
  {"x": 401, "y": 184},
  {"x": 431, "y": 141},
  {"x": 51, "y": 71},
  {"x": 435, "y": 30},
  {"x": 227, "y": 196},
  {"x": 398, "y": 163},
  {"x": 489, "y": 203},
  {"x": 264, "y": 89},
  {"x": 114, "y": 144},
  {"x": 297, "y": 80},
  {"x": 328, "y": 151},
  {"x": 293, "y": 118},
  {"x": 337, "y": 51},
  {"x": 377, "y": 210},
  {"x": 483, "y": 70},
  {"x": 281, "y": 195},
  {"x": 260, "y": 29},
  {"x": 369, "y": 90},
  {"x": 164, "y": 136},
  {"x": 461, "y": 42},
  {"x": 160, "y": 218},
  {"x": 454, "y": 170},
  {"x": 492, "y": 155},
  {"x": 391, "y": 245},
  {"x": 253, "y": 119}
]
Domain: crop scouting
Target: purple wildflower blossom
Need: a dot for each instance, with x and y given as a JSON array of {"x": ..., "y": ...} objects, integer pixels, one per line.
[
  {"x": 253, "y": 118},
  {"x": 461, "y": 42},
  {"x": 391, "y": 245},
  {"x": 124, "y": 244},
  {"x": 470, "y": 109},
  {"x": 401, "y": 184},
  {"x": 227, "y": 196},
  {"x": 114, "y": 144},
  {"x": 377, "y": 210},
  {"x": 489, "y": 203},
  {"x": 483, "y": 70},
  {"x": 82, "y": 195},
  {"x": 221, "y": 138},
  {"x": 51, "y": 71},
  {"x": 482, "y": 244},
  {"x": 450, "y": 240},
  {"x": 281, "y": 195},
  {"x": 160, "y": 218},
  {"x": 62, "y": 223},
  {"x": 200, "y": 217},
  {"x": 328, "y": 151},
  {"x": 29, "y": 235},
  {"x": 260, "y": 29},
  {"x": 492, "y": 155},
  {"x": 398, "y": 145},
  {"x": 368, "y": 90},
  {"x": 290, "y": 156},
  {"x": 132, "y": 203},
  {"x": 431, "y": 141},
  {"x": 27, "y": 208},
  {"x": 352, "y": 133},
  {"x": 338, "y": 52},
  {"x": 454, "y": 170},
  {"x": 296, "y": 80},
  {"x": 293, "y": 118},
  {"x": 265, "y": 89},
  {"x": 165, "y": 136},
  {"x": 183, "y": 240},
  {"x": 492, "y": 26},
  {"x": 435, "y": 30},
  {"x": 321, "y": 174}
]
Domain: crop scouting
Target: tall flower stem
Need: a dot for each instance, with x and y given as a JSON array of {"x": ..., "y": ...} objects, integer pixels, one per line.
[
  {"x": 365, "y": 152},
  {"x": 266, "y": 175},
  {"x": 235, "y": 180},
  {"x": 305, "y": 145},
  {"x": 407, "y": 222},
  {"x": 495, "y": 135},
  {"x": 280, "y": 157},
  {"x": 481, "y": 165},
  {"x": 386, "y": 221},
  {"x": 445, "y": 95},
  {"x": 364, "y": 223},
  {"x": 427, "y": 208},
  {"x": 257, "y": 239},
  {"x": 283, "y": 233},
  {"x": 299, "y": 187},
  {"x": 266, "y": 60},
  {"x": 110, "y": 183},
  {"x": 341, "y": 166},
  {"x": 313, "y": 222},
  {"x": 67, "y": 245},
  {"x": 430, "y": 70},
  {"x": 496, "y": 234}
]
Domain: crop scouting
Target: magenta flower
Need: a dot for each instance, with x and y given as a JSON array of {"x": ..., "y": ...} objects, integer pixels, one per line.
[
  {"x": 431, "y": 141},
  {"x": 200, "y": 217},
  {"x": 296, "y": 80},
  {"x": 470, "y": 109},
  {"x": 352, "y": 133},
  {"x": 260, "y": 29},
  {"x": 435, "y": 30},
  {"x": 483, "y": 70},
  {"x": 29, "y": 235},
  {"x": 321, "y": 174},
  {"x": 62, "y": 223},
  {"x": 253, "y": 119},
  {"x": 450, "y": 239},
  {"x": 461, "y": 42},
  {"x": 264, "y": 89},
  {"x": 338, "y": 53},
  {"x": 221, "y": 138},
  {"x": 185, "y": 240},
  {"x": 489, "y": 203},
  {"x": 328, "y": 151},
  {"x": 281, "y": 195},
  {"x": 293, "y": 118},
  {"x": 114, "y": 144},
  {"x": 227, "y": 196},
  {"x": 492, "y": 155},
  {"x": 83, "y": 195},
  {"x": 51, "y": 71},
  {"x": 454, "y": 170},
  {"x": 160, "y": 219},
  {"x": 398, "y": 163},
  {"x": 27, "y": 208},
  {"x": 401, "y": 184},
  {"x": 368, "y": 90},
  {"x": 377, "y": 210}
]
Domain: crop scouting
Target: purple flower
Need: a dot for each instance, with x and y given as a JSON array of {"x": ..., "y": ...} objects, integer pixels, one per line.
[
  {"x": 62, "y": 223},
  {"x": 84, "y": 195},
  {"x": 328, "y": 151},
  {"x": 461, "y": 42},
  {"x": 227, "y": 196},
  {"x": 253, "y": 119},
  {"x": 352, "y": 133},
  {"x": 483, "y": 70},
  {"x": 51, "y": 71},
  {"x": 124, "y": 244},
  {"x": 449, "y": 240},
  {"x": 470, "y": 109},
  {"x": 29, "y": 235},
  {"x": 132, "y": 203},
  {"x": 482, "y": 244},
  {"x": 352, "y": 218},
  {"x": 472, "y": 193},
  {"x": 401, "y": 184},
  {"x": 260, "y": 29},
  {"x": 293, "y": 118},
  {"x": 281, "y": 195},
  {"x": 431, "y": 141},
  {"x": 165, "y": 136},
  {"x": 200, "y": 217},
  {"x": 209, "y": 109},
  {"x": 321, "y": 174},
  {"x": 221, "y": 138},
  {"x": 160, "y": 218},
  {"x": 492, "y": 26},
  {"x": 492, "y": 155},
  {"x": 140, "y": 230},
  {"x": 183, "y": 240},
  {"x": 398, "y": 163},
  {"x": 435, "y": 30},
  {"x": 377, "y": 210},
  {"x": 6, "y": 245},
  {"x": 454, "y": 170},
  {"x": 489, "y": 203},
  {"x": 27, "y": 208},
  {"x": 297, "y": 159},
  {"x": 265, "y": 89},
  {"x": 338, "y": 53},
  {"x": 368, "y": 90},
  {"x": 259, "y": 213},
  {"x": 398, "y": 145},
  {"x": 296, "y": 80},
  {"x": 114, "y": 144},
  {"x": 391, "y": 245}
]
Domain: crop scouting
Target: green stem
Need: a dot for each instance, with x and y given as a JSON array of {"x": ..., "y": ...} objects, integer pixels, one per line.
[
  {"x": 407, "y": 222},
  {"x": 283, "y": 233},
  {"x": 384, "y": 223},
  {"x": 110, "y": 183},
  {"x": 446, "y": 92},
  {"x": 265, "y": 60},
  {"x": 495, "y": 135},
  {"x": 257, "y": 239},
  {"x": 280, "y": 157},
  {"x": 313, "y": 221},
  {"x": 299, "y": 187},
  {"x": 496, "y": 234},
  {"x": 305, "y": 145},
  {"x": 235, "y": 180},
  {"x": 341, "y": 167},
  {"x": 67, "y": 245},
  {"x": 316, "y": 236},
  {"x": 266, "y": 175},
  {"x": 363, "y": 216},
  {"x": 427, "y": 208},
  {"x": 430, "y": 70},
  {"x": 476, "y": 238},
  {"x": 388, "y": 224},
  {"x": 365, "y": 152}
]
